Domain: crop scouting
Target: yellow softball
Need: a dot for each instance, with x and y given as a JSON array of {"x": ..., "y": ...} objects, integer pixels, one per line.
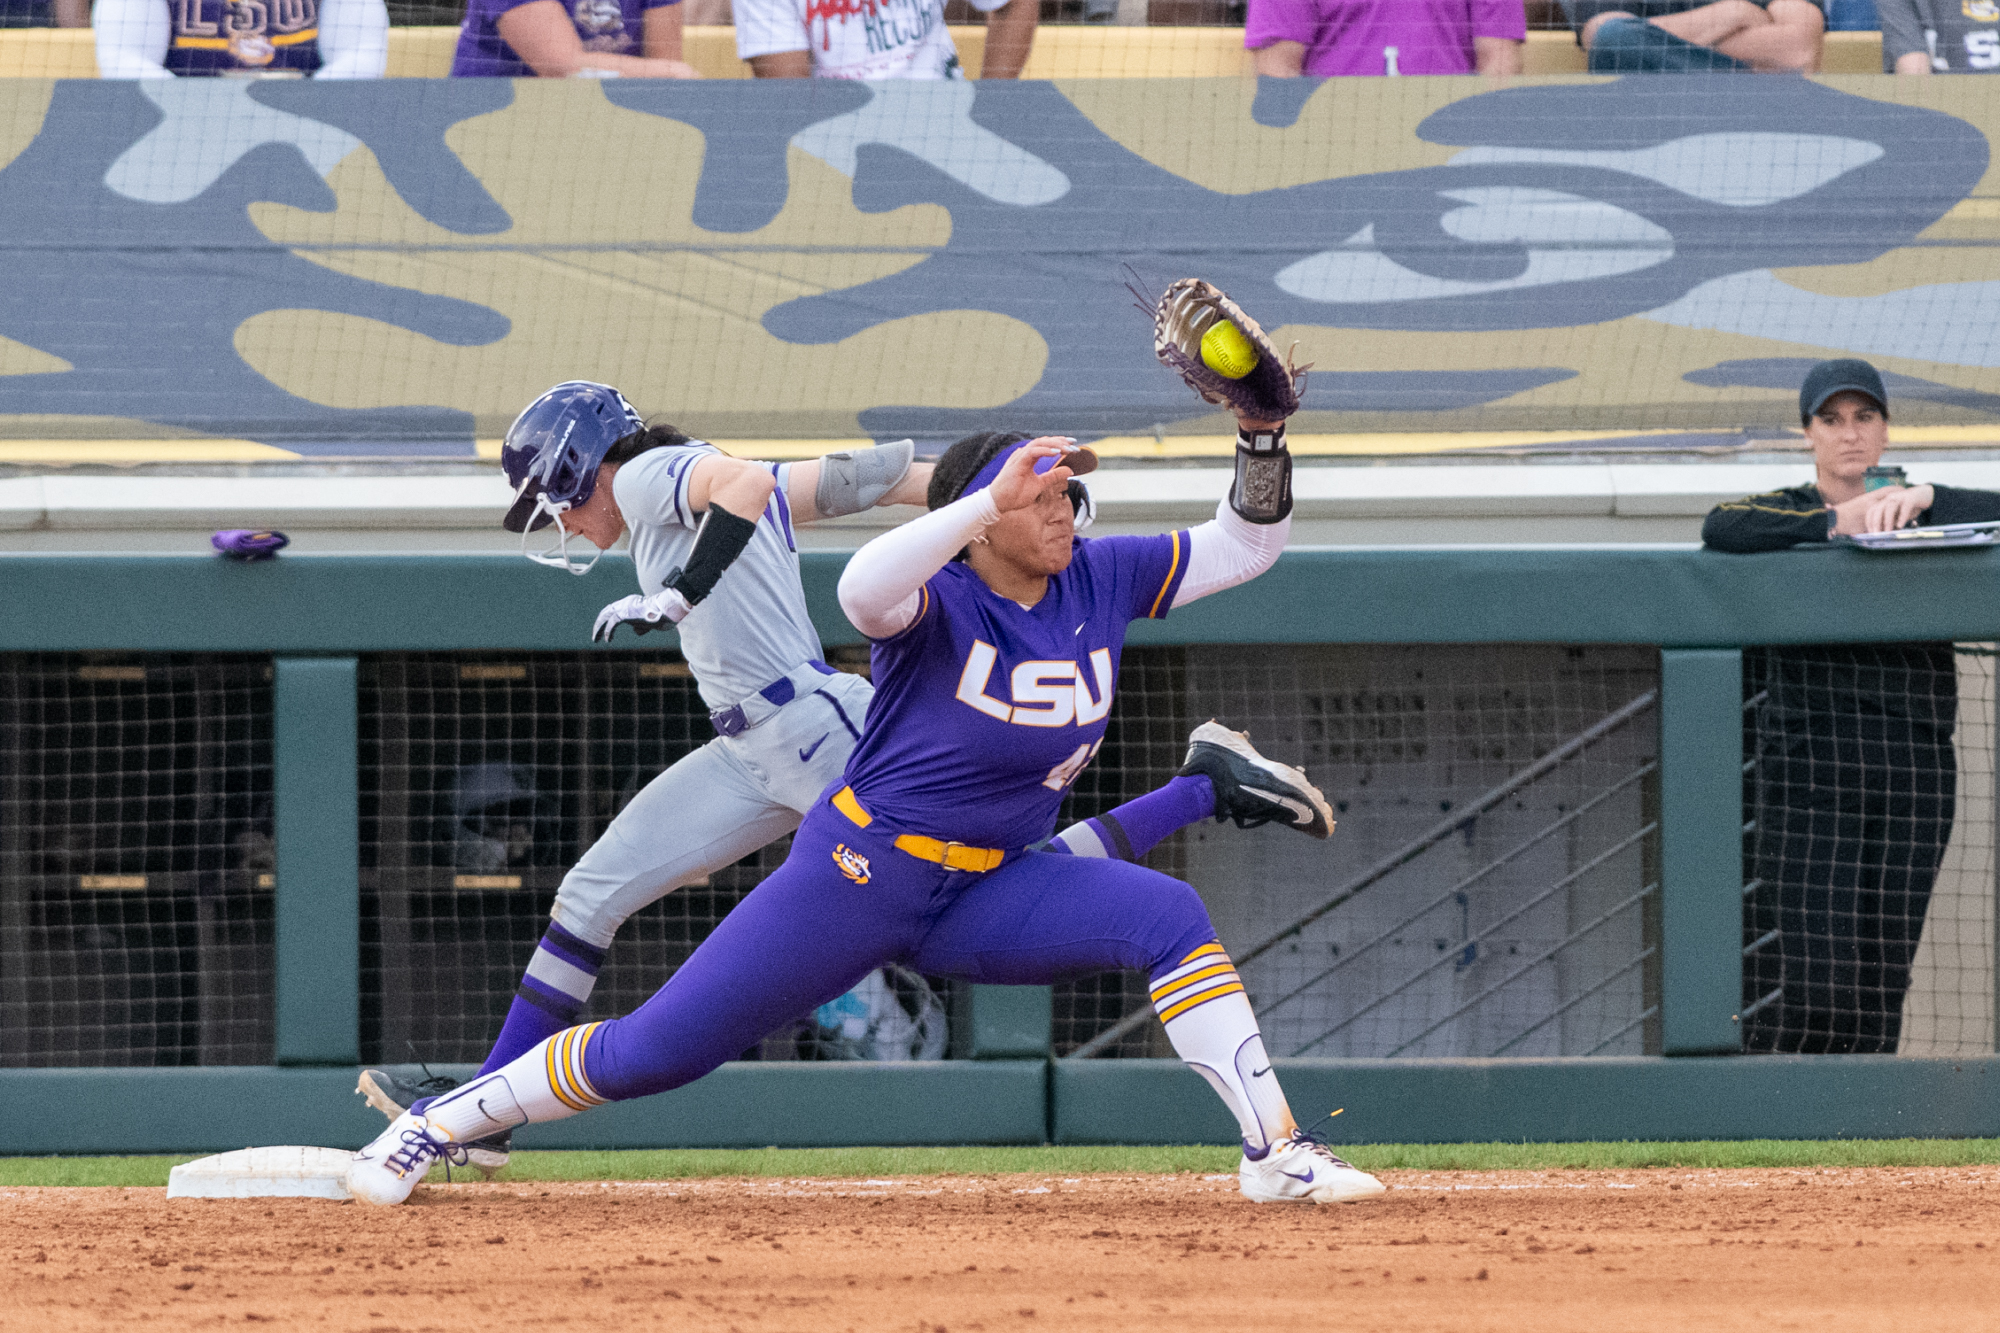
[{"x": 1227, "y": 352}]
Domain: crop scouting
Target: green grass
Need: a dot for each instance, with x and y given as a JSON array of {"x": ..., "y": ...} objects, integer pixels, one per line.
[{"x": 862, "y": 1163}]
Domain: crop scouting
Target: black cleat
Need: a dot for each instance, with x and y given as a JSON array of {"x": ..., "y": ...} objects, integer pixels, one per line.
[
  {"x": 391, "y": 1094},
  {"x": 1251, "y": 789}
]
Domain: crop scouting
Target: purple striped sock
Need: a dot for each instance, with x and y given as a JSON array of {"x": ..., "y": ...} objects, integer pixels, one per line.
[
  {"x": 1136, "y": 827},
  {"x": 551, "y": 998}
]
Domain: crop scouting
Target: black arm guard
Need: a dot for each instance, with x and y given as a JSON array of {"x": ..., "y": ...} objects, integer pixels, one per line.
[
  {"x": 1262, "y": 492},
  {"x": 717, "y": 542}
]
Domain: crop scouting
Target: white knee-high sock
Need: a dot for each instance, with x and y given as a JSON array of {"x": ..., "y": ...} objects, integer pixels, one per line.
[
  {"x": 1209, "y": 1020},
  {"x": 548, "y": 1083}
]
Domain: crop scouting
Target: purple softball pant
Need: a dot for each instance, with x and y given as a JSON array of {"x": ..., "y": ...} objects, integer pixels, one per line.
[{"x": 814, "y": 929}]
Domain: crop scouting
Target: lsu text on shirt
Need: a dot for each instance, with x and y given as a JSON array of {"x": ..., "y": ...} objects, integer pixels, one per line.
[
  {"x": 985, "y": 711},
  {"x": 218, "y": 36},
  {"x": 607, "y": 27},
  {"x": 754, "y": 627},
  {"x": 855, "y": 39}
]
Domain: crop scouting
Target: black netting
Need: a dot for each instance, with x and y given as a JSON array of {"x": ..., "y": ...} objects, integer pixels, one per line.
[
  {"x": 1868, "y": 849},
  {"x": 136, "y": 860}
]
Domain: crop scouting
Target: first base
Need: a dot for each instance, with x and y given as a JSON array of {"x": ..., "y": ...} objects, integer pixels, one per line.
[{"x": 263, "y": 1173}]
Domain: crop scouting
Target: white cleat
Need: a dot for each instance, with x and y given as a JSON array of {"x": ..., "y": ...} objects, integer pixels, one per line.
[
  {"x": 392, "y": 1094},
  {"x": 387, "y": 1170},
  {"x": 1304, "y": 1170}
]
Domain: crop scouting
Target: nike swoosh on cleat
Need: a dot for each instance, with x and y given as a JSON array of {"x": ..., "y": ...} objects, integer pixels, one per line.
[
  {"x": 805, "y": 755},
  {"x": 1307, "y": 1178},
  {"x": 1298, "y": 811}
]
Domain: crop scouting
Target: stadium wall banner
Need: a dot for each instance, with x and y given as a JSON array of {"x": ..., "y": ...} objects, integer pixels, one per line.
[{"x": 396, "y": 267}]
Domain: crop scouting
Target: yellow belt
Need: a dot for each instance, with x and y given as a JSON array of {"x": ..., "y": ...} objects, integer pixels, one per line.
[{"x": 950, "y": 855}]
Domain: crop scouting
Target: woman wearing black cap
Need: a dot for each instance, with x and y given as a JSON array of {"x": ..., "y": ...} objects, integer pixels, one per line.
[
  {"x": 1856, "y": 774},
  {"x": 1845, "y": 412}
]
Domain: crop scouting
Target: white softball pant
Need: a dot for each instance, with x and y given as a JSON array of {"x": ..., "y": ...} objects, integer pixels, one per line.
[{"x": 716, "y": 806}]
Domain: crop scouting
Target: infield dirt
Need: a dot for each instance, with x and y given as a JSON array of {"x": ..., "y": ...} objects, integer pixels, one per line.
[{"x": 1547, "y": 1252}]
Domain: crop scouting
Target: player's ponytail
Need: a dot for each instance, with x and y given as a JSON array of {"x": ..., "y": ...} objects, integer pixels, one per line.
[
  {"x": 629, "y": 447},
  {"x": 962, "y": 462}
]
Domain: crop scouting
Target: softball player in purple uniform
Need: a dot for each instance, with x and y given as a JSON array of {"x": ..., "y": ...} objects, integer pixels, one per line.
[
  {"x": 712, "y": 544},
  {"x": 997, "y": 637}
]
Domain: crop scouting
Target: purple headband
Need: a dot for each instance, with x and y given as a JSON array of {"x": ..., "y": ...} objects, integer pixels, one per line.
[{"x": 1079, "y": 461}]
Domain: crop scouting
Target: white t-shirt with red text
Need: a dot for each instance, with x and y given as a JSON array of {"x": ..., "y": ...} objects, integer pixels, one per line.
[{"x": 855, "y": 39}]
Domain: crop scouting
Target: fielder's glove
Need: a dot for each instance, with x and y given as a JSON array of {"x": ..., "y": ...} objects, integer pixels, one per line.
[
  {"x": 663, "y": 608},
  {"x": 1268, "y": 391}
]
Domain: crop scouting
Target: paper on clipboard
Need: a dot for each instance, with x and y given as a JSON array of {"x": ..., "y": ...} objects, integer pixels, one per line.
[{"x": 1929, "y": 539}]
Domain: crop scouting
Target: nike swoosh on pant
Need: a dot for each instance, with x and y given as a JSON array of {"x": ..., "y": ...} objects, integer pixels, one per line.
[
  {"x": 805, "y": 755},
  {"x": 1259, "y": 1073}
]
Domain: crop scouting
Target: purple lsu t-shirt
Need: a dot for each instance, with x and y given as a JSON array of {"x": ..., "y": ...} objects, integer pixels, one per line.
[
  {"x": 1355, "y": 36},
  {"x": 985, "y": 711},
  {"x": 611, "y": 27},
  {"x": 216, "y": 37}
]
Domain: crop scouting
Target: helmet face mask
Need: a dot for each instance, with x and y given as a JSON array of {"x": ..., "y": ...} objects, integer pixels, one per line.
[
  {"x": 551, "y": 455},
  {"x": 556, "y": 556}
]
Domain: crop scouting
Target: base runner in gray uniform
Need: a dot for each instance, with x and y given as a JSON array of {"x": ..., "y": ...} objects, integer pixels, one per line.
[{"x": 581, "y": 459}]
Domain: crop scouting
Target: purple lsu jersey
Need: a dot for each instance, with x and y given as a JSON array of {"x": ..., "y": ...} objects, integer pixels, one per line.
[
  {"x": 985, "y": 711},
  {"x": 217, "y": 36}
]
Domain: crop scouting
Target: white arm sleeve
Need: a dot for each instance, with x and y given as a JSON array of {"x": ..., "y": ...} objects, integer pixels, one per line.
[
  {"x": 1228, "y": 550},
  {"x": 881, "y": 588},
  {"x": 353, "y": 39},
  {"x": 132, "y": 38}
]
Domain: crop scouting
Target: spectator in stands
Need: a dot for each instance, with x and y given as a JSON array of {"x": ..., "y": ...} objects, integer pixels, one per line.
[
  {"x": 877, "y": 39},
  {"x": 1942, "y": 36},
  {"x": 1855, "y": 770},
  {"x": 1319, "y": 38},
  {"x": 1681, "y": 36},
  {"x": 586, "y": 39},
  {"x": 326, "y": 39},
  {"x": 44, "y": 13}
]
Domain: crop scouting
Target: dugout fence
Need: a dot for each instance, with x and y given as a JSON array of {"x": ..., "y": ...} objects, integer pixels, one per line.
[{"x": 1553, "y": 855}]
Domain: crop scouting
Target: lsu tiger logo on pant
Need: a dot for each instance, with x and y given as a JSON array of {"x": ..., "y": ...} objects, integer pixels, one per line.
[{"x": 852, "y": 863}]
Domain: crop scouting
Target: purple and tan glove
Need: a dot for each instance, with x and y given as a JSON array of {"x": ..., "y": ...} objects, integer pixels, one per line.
[{"x": 1184, "y": 330}]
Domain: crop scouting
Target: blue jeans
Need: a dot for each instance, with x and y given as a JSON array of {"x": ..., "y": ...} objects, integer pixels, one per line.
[{"x": 1634, "y": 46}]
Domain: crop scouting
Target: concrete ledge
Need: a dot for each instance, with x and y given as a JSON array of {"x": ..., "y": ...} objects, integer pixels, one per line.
[
  {"x": 1549, "y": 1101},
  {"x": 463, "y": 501},
  {"x": 744, "y": 1105}
]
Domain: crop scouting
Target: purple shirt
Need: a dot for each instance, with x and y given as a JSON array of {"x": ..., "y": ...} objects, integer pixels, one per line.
[
  {"x": 1354, "y": 36},
  {"x": 214, "y": 37},
  {"x": 985, "y": 711},
  {"x": 611, "y": 27}
]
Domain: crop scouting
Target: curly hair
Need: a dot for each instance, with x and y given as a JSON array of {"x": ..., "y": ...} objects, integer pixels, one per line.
[{"x": 961, "y": 463}]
